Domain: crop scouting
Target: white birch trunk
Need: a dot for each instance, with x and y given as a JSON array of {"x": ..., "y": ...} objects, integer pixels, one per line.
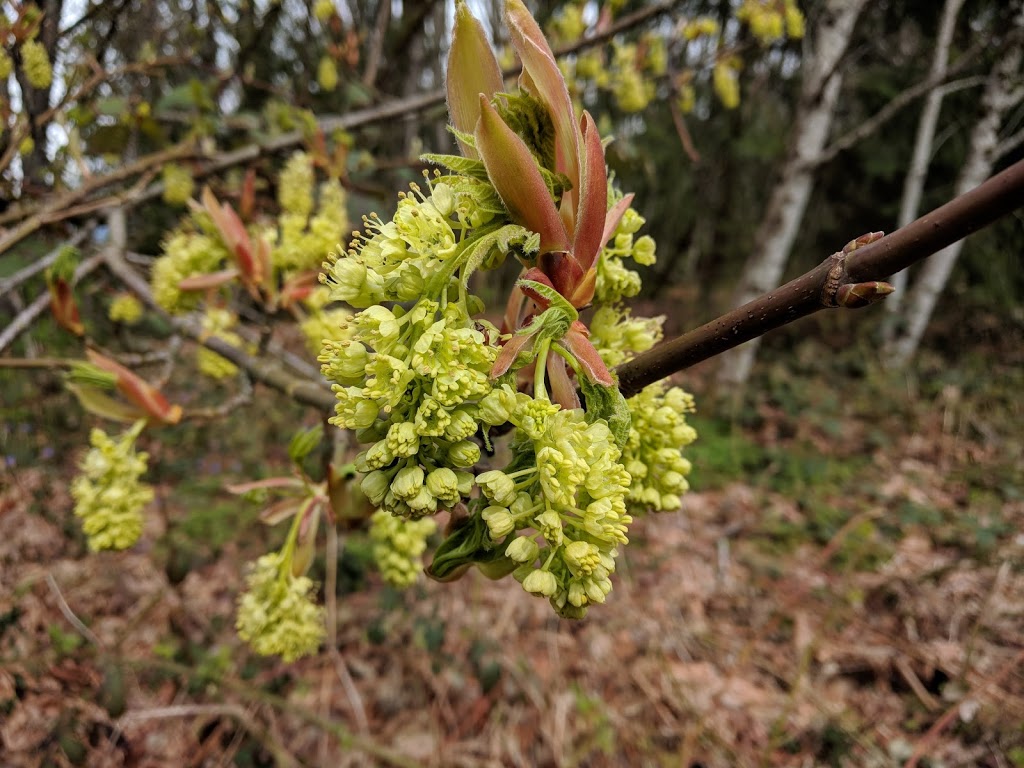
[
  {"x": 819, "y": 94},
  {"x": 913, "y": 185},
  {"x": 1002, "y": 92}
]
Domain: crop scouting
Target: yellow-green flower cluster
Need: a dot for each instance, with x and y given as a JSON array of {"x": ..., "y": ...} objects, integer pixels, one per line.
[
  {"x": 412, "y": 379},
  {"x": 771, "y": 20},
  {"x": 702, "y": 26},
  {"x": 218, "y": 322},
  {"x": 304, "y": 238},
  {"x": 726, "y": 81},
  {"x": 325, "y": 325},
  {"x": 277, "y": 615},
  {"x": 619, "y": 336},
  {"x": 614, "y": 281},
  {"x": 413, "y": 382},
  {"x": 125, "y": 308},
  {"x": 327, "y": 74},
  {"x": 323, "y": 9},
  {"x": 567, "y": 26},
  {"x": 653, "y": 455},
  {"x": 36, "y": 64},
  {"x": 178, "y": 184},
  {"x": 108, "y": 495},
  {"x": 6, "y": 64},
  {"x": 186, "y": 253},
  {"x": 568, "y": 505},
  {"x": 398, "y": 546},
  {"x": 295, "y": 186}
]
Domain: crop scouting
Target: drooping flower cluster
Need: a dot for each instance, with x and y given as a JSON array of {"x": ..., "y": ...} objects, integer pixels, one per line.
[
  {"x": 653, "y": 455},
  {"x": 36, "y": 64},
  {"x": 424, "y": 381},
  {"x": 277, "y": 614},
  {"x": 125, "y": 308},
  {"x": 398, "y": 546},
  {"x": 772, "y": 20},
  {"x": 568, "y": 504},
  {"x": 178, "y": 184},
  {"x": 109, "y": 498},
  {"x": 272, "y": 258}
]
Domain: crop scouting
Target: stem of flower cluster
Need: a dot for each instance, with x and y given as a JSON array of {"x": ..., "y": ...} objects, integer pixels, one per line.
[{"x": 539, "y": 391}]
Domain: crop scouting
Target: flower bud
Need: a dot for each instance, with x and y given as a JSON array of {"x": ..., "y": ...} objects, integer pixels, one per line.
[
  {"x": 643, "y": 251},
  {"x": 444, "y": 485},
  {"x": 403, "y": 440},
  {"x": 549, "y": 524},
  {"x": 407, "y": 283},
  {"x": 351, "y": 363},
  {"x": 499, "y": 522},
  {"x": 462, "y": 425},
  {"x": 375, "y": 485},
  {"x": 349, "y": 279},
  {"x": 498, "y": 487},
  {"x": 495, "y": 407},
  {"x": 522, "y": 505},
  {"x": 581, "y": 557},
  {"x": 523, "y": 549},
  {"x": 407, "y": 482},
  {"x": 423, "y": 503},
  {"x": 464, "y": 454},
  {"x": 378, "y": 456},
  {"x": 541, "y": 583}
]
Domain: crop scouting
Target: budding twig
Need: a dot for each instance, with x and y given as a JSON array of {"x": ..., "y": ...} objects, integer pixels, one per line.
[{"x": 823, "y": 286}]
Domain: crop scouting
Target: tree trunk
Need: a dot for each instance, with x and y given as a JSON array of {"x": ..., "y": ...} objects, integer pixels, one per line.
[
  {"x": 1001, "y": 94},
  {"x": 819, "y": 94},
  {"x": 913, "y": 185}
]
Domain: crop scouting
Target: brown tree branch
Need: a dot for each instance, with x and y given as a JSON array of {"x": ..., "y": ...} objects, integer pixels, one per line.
[
  {"x": 807, "y": 294},
  {"x": 58, "y": 209},
  {"x": 315, "y": 393}
]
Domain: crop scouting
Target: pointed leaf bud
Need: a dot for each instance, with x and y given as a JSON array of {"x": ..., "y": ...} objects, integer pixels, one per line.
[
  {"x": 513, "y": 171},
  {"x": 472, "y": 70}
]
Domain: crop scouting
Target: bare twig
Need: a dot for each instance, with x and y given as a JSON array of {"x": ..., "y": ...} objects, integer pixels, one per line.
[
  {"x": 376, "y": 44},
  {"x": 684, "y": 133},
  {"x": 314, "y": 392},
  {"x": 242, "y": 397},
  {"x": 25, "y": 273},
  {"x": 59, "y": 209},
  {"x": 803, "y": 296},
  {"x": 867, "y": 127},
  {"x": 65, "y": 609}
]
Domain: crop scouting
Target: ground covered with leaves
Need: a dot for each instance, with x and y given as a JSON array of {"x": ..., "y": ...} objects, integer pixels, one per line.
[{"x": 843, "y": 587}]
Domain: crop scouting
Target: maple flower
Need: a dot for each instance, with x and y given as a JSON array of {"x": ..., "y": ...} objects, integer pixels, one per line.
[
  {"x": 398, "y": 546},
  {"x": 276, "y": 614},
  {"x": 108, "y": 495}
]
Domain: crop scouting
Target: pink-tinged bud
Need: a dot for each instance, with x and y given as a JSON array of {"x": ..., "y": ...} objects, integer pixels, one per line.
[
  {"x": 861, "y": 241},
  {"x": 857, "y": 295},
  {"x": 586, "y": 355},
  {"x": 593, "y": 201},
  {"x": 472, "y": 70},
  {"x": 64, "y": 306},
  {"x": 140, "y": 392},
  {"x": 513, "y": 171},
  {"x": 305, "y": 539},
  {"x": 544, "y": 80}
]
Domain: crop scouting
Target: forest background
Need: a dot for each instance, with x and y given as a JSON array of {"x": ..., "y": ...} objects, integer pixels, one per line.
[{"x": 844, "y": 583}]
